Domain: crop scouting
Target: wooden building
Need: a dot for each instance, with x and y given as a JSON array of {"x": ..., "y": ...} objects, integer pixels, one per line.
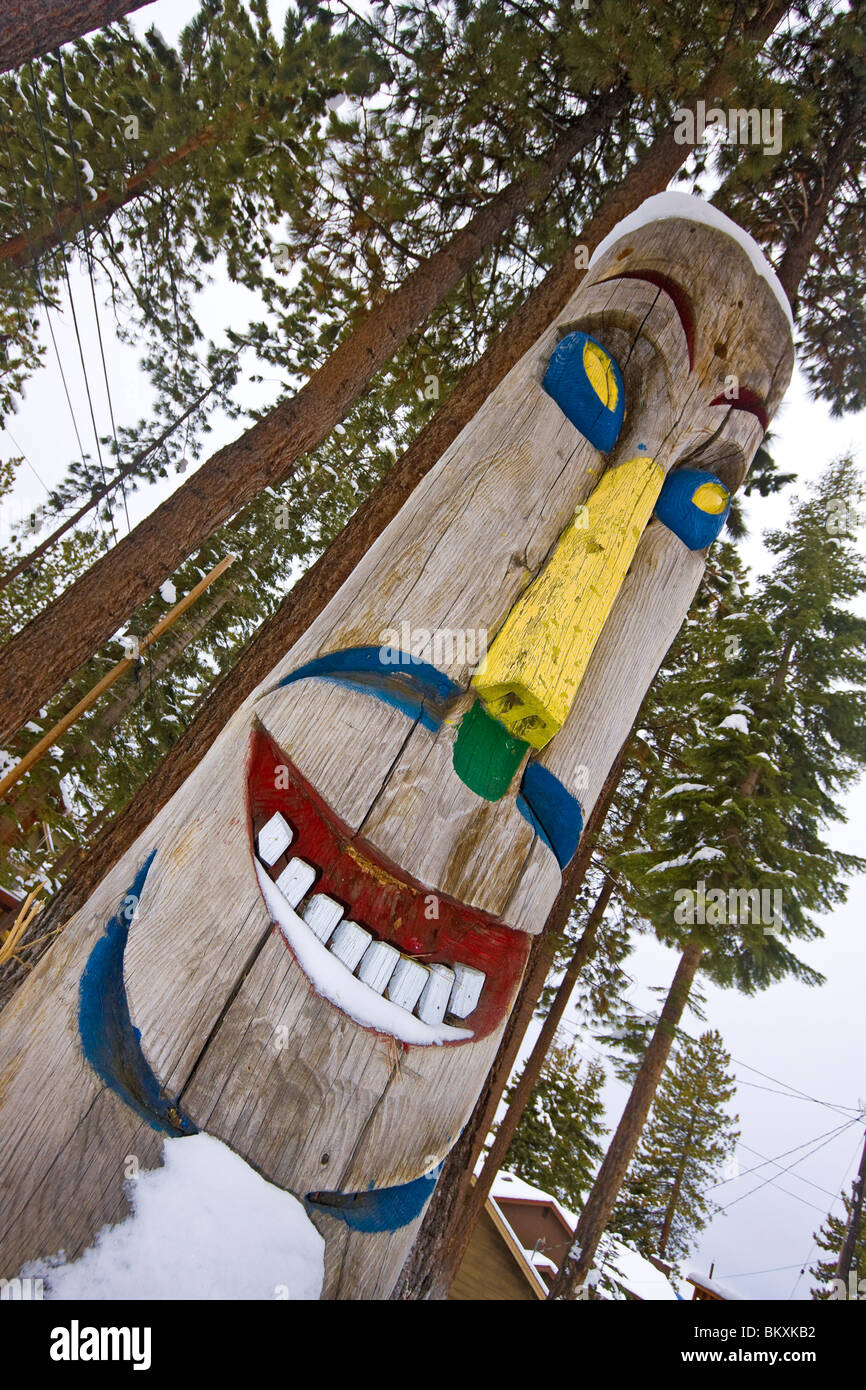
[{"x": 520, "y": 1240}]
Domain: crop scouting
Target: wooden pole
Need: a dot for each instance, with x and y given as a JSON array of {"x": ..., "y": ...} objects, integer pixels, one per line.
[
  {"x": 365, "y": 827},
  {"x": 29, "y": 908},
  {"x": 852, "y": 1230},
  {"x": 594, "y": 1217},
  {"x": 87, "y": 701}
]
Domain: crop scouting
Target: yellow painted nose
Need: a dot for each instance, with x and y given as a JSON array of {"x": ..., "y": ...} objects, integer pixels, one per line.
[{"x": 540, "y": 654}]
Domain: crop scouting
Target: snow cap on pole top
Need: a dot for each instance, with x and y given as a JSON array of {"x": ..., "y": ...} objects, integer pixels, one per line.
[{"x": 685, "y": 205}]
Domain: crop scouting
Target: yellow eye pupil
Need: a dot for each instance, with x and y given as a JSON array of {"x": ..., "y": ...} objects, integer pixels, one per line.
[
  {"x": 599, "y": 371},
  {"x": 711, "y": 498}
]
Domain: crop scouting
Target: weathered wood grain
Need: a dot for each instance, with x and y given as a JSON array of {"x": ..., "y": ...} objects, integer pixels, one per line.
[{"x": 228, "y": 1021}]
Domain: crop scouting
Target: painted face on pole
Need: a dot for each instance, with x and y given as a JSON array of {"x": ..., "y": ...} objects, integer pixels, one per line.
[{"x": 321, "y": 935}]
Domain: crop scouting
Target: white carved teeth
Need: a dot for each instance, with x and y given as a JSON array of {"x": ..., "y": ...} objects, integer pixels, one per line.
[
  {"x": 407, "y": 982},
  {"x": 321, "y": 915},
  {"x": 430, "y": 991},
  {"x": 435, "y": 994},
  {"x": 468, "y": 984},
  {"x": 296, "y": 880},
  {"x": 349, "y": 943},
  {"x": 377, "y": 965},
  {"x": 274, "y": 839}
]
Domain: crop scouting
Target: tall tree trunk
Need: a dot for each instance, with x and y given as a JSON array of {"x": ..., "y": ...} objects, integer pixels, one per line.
[
  {"x": 795, "y": 261},
  {"x": 29, "y": 28},
  {"x": 671, "y": 1209},
  {"x": 449, "y": 1220},
  {"x": 525, "y": 1084},
  {"x": 605, "y": 1190},
  {"x": 64, "y": 635}
]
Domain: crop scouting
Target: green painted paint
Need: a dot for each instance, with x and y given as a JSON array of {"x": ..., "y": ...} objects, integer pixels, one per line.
[{"x": 486, "y": 755}]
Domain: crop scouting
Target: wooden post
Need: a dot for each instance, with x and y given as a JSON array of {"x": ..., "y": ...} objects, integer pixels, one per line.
[
  {"x": 402, "y": 792},
  {"x": 852, "y": 1230},
  {"x": 120, "y": 668}
]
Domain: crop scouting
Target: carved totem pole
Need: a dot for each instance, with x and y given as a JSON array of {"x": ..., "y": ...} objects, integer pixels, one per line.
[{"x": 312, "y": 951}]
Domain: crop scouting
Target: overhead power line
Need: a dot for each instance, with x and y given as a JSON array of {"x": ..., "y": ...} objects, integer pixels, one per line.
[
  {"x": 89, "y": 262},
  {"x": 65, "y": 269}
]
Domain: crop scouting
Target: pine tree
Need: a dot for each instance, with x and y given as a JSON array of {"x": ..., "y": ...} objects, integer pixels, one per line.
[
  {"x": 735, "y": 842},
  {"x": 803, "y": 204},
  {"x": 773, "y": 740},
  {"x": 830, "y": 1238},
  {"x": 663, "y": 1205},
  {"x": 557, "y": 1144}
]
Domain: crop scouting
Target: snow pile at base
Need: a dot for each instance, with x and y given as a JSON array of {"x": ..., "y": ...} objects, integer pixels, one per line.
[
  {"x": 696, "y": 210},
  {"x": 206, "y": 1226}
]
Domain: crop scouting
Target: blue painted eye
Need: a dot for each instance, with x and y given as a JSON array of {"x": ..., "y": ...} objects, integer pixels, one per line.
[
  {"x": 555, "y": 810},
  {"x": 694, "y": 505},
  {"x": 587, "y": 386}
]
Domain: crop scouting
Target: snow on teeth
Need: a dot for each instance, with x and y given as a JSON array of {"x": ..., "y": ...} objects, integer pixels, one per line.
[
  {"x": 274, "y": 839},
  {"x": 349, "y": 943},
  {"x": 321, "y": 915},
  {"x": 407, "y": 982},
  {"x": 329, "y": 976},
  {"x": 296, "y": 880},
  {"x": 435, "y": 994},
  {"x": 468, "y": 984},
  {"x": 432, "y": 991},
  {"x": 378, "y": 964}
]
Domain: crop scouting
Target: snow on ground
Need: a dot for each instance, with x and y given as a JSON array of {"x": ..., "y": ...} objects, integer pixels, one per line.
[
  {"x": 204, "y": 1226},
  {"x": 696, "y": 210}
]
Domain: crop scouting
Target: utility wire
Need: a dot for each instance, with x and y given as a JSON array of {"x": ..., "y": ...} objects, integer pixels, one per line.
[
  {"x": 817, "y": 1186},
  {"x": 797, "y": 1094},
  {"x": 813, "y": 1246},
  {"x": 38, "y": 113},
  {"x": 17, "y": 446},
  {"x": 774, "y": 1176},
  {"x": 40, "y": 291},
  {"x": 89, "y": 262},
  {"x": 749, "y": 1273}
]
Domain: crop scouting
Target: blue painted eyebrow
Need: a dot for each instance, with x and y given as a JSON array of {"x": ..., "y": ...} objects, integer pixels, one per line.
[
  {"x": 379, "y": 1209},
  {"x": 109, "y": 1041},
  {"x": 416, "y": 688},
  {"x": 423, "y": 693}
]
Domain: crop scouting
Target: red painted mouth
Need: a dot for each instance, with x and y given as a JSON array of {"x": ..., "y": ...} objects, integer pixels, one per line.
[{"x": 379, "y": 896}]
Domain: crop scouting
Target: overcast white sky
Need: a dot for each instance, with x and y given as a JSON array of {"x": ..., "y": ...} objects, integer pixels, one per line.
[{"x": 808, "y": 1040}]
